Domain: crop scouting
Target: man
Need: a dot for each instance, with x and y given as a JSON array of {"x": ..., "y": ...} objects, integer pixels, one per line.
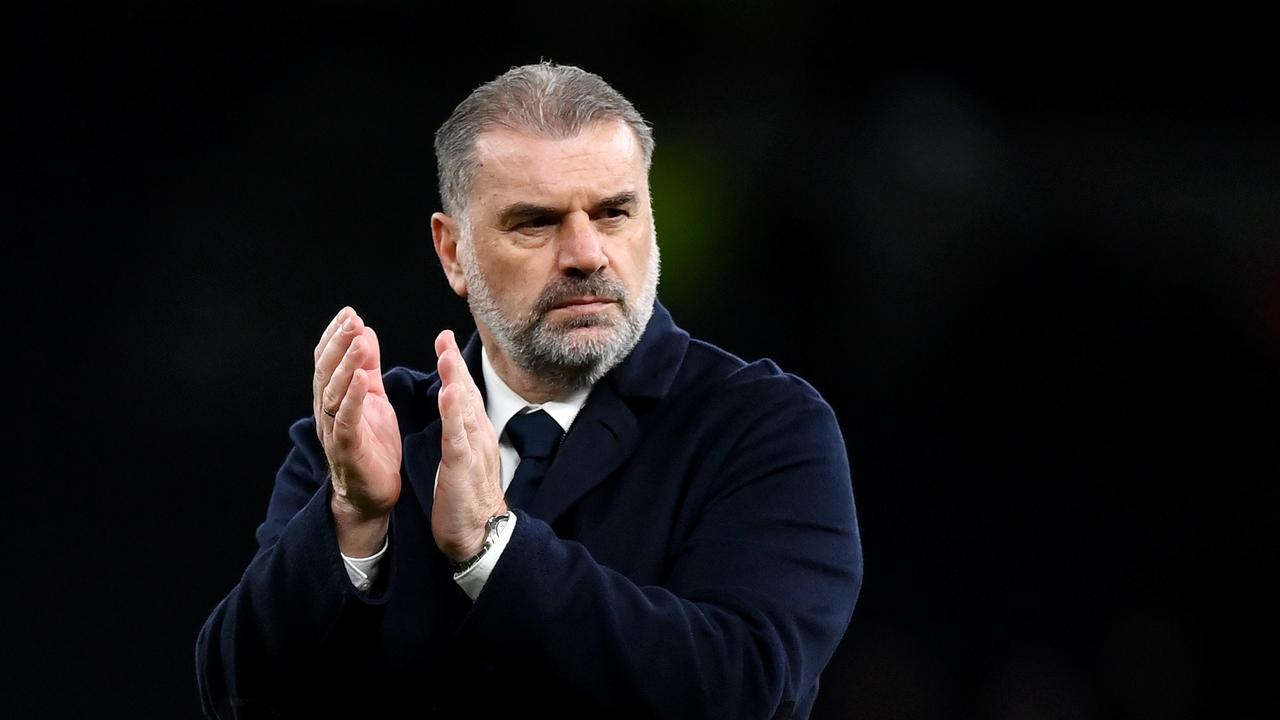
[{"x": 584, "y": 512}]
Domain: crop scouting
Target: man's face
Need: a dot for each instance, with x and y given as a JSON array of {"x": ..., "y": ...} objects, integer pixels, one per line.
[{"x": 558, "y": 251}]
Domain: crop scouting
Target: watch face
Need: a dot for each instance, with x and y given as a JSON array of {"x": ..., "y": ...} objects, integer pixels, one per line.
[{"x": 499, "y": 524}]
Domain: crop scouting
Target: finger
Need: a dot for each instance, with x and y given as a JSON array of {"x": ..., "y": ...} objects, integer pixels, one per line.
[
  {"x": 474, "y": 396},
  {"x": 455, "y": 373},
  {"x": 316, "y": 377},
  {"x": 333, "y": 353},
  {"x": 334, "y": 324},
  {"x": 446, "y": 359},
  {"x": 442, "y": 361},
  {"x": 347, "y": 421},
  {"x": 443, "y": 341},
  {"x": 372, "y": 363},
  {"x": 470, "y": 420},
  {"x": 481, "y": 437},
  {"x": 455, "y": 370},
  {"x": 334, "y": 393},
  {"x": 455, "y": 446},
  {"x": 477, "y": 398}
]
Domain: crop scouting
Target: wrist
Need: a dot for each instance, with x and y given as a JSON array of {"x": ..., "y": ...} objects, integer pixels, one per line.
[
  {"x": 493, "y": 530},
  {"x": 359, "y": 535},
  {"x": 480, "y": 533},
  {"x": 470, "y": 549}
]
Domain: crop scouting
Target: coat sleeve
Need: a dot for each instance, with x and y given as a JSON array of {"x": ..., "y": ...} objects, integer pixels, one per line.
[
  {"x": 259, "y": 643},
  {"x": 762, "y": 584}
]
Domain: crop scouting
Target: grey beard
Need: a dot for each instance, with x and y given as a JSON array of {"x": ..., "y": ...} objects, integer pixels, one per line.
[{"x": 541, "y": 347}]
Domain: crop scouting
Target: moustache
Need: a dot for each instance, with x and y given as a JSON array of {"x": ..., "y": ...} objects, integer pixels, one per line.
[{"x": 566, "y": 288}]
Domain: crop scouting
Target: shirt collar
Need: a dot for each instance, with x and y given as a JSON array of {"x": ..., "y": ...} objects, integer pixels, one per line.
[{"x": 502, "y": 403}]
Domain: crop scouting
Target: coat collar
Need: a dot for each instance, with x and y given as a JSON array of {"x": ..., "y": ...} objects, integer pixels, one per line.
[{"x": 602, "y": 437}]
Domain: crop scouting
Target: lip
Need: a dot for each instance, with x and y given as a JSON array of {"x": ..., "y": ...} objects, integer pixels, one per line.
[
  {"x": 585, "y": 305},
  {"x": 586, "y": 302}
]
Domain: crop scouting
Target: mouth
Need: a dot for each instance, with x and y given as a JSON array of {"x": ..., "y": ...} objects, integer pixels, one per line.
[{"x": 584, "y": 304}]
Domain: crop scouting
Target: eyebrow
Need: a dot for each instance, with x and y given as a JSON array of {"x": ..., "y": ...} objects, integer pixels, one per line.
[
  {"x": 523, "y": 210},
  {"x": 619, "y": 200}
]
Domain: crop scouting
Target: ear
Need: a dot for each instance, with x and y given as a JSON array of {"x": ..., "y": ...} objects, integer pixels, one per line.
[{"x": 444, "y": 233}]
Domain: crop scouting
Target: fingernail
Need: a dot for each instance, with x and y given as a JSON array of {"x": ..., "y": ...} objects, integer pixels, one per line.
[{"x": 346, "y": 326}]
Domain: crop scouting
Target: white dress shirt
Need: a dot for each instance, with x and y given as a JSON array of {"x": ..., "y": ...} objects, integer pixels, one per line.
[{"x": 501, "y": 404}]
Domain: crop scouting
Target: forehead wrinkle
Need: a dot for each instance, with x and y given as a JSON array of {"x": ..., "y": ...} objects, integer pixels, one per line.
[
  {"x": 564, "y": 190},
  {"x": 516, "y": 166}
]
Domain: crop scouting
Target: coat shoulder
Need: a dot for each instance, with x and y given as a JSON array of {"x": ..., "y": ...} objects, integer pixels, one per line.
[{"x": 713, "y": 369}]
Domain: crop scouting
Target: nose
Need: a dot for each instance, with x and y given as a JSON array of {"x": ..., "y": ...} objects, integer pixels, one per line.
[{"x": 581, "y": 246}]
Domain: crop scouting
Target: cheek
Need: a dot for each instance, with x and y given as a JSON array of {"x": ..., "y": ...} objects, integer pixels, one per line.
[
  {"x": 637, "y": 263},
  {"x": 518, "y": 284}
]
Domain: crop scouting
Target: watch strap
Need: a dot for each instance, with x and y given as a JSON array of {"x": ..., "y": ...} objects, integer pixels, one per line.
[{"x": 493, "y": 530}]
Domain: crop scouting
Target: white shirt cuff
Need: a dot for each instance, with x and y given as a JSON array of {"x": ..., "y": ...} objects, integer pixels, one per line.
[
  {"x": 364, "y": 571},
  {"x": 472, "y": 579}
]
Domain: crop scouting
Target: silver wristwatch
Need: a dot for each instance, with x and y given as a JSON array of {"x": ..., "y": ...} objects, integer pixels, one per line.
[{"x": 493, "y": 530}]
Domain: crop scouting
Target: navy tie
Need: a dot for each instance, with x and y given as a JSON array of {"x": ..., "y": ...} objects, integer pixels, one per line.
[{"x": 536, "y": 436}]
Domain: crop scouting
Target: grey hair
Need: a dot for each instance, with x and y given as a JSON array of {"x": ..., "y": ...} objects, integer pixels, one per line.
[{"x": 556, "y": 101}]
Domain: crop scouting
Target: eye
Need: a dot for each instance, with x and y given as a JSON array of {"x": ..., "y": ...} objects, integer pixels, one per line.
[
  {"x": 537, "y": 221},
  {"x": 614, "y": 213}
]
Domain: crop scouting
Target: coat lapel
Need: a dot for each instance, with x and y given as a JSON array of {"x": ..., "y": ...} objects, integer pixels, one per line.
[{"x": 603, "y": 436}]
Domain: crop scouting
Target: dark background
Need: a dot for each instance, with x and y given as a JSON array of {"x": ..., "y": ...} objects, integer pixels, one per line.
[{"x": 1032, "y": 262}]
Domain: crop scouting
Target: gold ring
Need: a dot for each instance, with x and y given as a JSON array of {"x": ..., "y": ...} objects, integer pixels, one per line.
[{"x": 330, "y": 413}]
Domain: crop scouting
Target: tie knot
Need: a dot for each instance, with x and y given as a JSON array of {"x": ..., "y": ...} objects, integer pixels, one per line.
[{"x": 534, "y": 435}]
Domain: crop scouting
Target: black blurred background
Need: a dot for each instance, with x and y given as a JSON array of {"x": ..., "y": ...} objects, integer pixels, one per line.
[{"x": 1033, "y": 263}]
